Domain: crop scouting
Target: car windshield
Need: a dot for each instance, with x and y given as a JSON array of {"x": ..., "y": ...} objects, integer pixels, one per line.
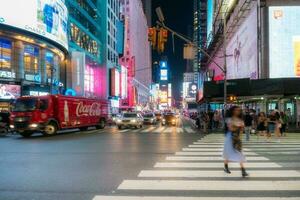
[
  {"x": 157, "y": 114},
  {"x": 23, "y": 105},
  {"x": 129, "y": 115},
  {"x": 148, "y": 115}
]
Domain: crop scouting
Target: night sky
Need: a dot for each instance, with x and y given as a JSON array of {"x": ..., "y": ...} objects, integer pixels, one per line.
[{"x": 179, "y": 16}]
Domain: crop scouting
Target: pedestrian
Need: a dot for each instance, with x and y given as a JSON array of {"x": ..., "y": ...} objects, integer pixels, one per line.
[
  {"x": 271, "y": 125},
  {"x": 205, "y": 122},
  {"x": 284, "y": 119},
  {"x": 261, "y": 125},
  {"x": 232, "y": 151},
  {"x": 278, "y": 125},
  {"x": 248, "y": 124},
  {"x": 216, "y": 120}
]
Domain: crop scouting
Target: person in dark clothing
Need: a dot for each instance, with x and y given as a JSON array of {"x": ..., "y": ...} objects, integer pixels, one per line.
[{"x": 248, "y": 124}]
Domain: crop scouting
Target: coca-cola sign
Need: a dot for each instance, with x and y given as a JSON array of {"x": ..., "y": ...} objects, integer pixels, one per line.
[{"x": 88, "y": 110}]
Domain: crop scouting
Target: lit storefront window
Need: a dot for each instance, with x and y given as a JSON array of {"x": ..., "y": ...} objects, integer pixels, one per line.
[
  {"x": 5, "y": 54},
  {"x": 31, "y": 59},
  {"x": 49, "y": 63},
  {"x": 89, "y": 81}
]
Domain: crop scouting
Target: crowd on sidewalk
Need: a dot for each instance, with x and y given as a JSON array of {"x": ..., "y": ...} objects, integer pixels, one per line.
[{"x": 260, "y": 124}]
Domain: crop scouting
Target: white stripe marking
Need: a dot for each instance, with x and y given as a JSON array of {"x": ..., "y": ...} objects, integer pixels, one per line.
[
  {"x": 248, "y": 143},
  {"x": 189, "y": 198},
  {"x": 213, "y": 165},
  {"x": 194, "y": 158},
  {"x": 210, "y": 185},
  {"x": 186, "y": 153},
  {"x": 245, "y": 149},
  {"x": 150, "y": 129},
  {"x": 249, "y": 146},
  {"x": 216, "y": 174},
  {"x": 189, "y": 130}
]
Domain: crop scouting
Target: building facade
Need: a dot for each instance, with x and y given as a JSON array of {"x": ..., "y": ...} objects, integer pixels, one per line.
[
  {"x": 33, "y": 48},
  {"x": 136, "y": 57},
  {"x": 261, "y": 52}
]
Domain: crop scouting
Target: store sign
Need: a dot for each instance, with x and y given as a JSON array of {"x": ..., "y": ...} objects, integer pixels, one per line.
[
  {"x": 38, "y": 93},
  {"x": 33, "y": 77},
  {"x": 47, "y": 18},
  {"x": 124, "y": 75},
  {"x": 114, "y": 82},
  {"x": 7, "y": 74},
  {"x": 163, "y": 97},
  {"x": 88, "y": 110},
  {"x": 284, "y": 41},
  {"x": 169, "y": 90},
  {"x": 9, "y": 91}
]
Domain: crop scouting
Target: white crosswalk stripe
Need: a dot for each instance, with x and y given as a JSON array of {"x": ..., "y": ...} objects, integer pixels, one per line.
[
  {"x": 199, "y": 167},
  {"x": 189, "y": 130}
]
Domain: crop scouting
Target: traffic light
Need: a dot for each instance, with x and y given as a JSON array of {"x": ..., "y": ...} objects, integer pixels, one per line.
[
  {"x": 162, "y": 39},
  {"x": 152, "y": 36}
]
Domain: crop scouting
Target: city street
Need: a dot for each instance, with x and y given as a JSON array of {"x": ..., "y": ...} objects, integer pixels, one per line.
[{"x": 156, "y": 162}]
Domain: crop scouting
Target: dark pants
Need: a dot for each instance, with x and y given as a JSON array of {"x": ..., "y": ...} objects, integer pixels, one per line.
[{"x": 283, "y": 128}]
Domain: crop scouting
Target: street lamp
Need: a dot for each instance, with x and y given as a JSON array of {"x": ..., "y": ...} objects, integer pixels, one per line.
[{"x": 161, "y": 23}]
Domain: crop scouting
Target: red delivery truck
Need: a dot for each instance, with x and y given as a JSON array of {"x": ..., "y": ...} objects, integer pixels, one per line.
[{"x": 48, "y": 114}]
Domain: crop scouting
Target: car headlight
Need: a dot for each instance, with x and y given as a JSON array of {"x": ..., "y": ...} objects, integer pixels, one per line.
[
  {"x": 119, "y": 121},
  {"x": 11, "y": 126},
  {"x": 163, "y": 120},
  {"x": 33, "y": 125},
  {"x": 133, "y": 120},
  {"x": 173, "y": 120}
]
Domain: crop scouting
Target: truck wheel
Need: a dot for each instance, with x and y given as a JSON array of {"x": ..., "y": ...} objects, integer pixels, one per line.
[
  {"x": 101, "y": 124},
  {"x": 26, "y": 134},
  {"x": 50, "y": 129}
]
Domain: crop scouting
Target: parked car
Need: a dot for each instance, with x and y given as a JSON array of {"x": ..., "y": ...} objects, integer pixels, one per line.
[
  {"x": 149, "y": 118},
  {"x": 130, "y": 119},
  {"x": 169, "y": 119},
  {"x": 48, "y": 114}
]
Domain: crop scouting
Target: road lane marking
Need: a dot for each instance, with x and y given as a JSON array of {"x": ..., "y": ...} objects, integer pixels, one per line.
[
  {"x": 214, "y": 165},
  {"x": 250, "y": 146},
  {"x": 150, "y": 129},
  {"x": 245, "y": 149},
  {"x": 250, "y": 143},
  {"x": 189, "y": 198},
  {"x": 195, "y": 158},
  {"x": 186, "y": 153},
  {"x": 179, "y": 130},
  {"x": 209, "y": 185},
  {"x": 218, "y": 174},
  {"x": 189, "y": 130}
]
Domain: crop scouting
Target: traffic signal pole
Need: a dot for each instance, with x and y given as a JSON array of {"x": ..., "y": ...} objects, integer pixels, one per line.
[{"x": 223, "y": 69}]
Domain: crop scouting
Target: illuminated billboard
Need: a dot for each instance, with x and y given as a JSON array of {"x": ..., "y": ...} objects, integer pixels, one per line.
[
  {"x": 210, "y": 18},
  {"x": 47, "y": 18},
  {"x": 9, "y": 91},
  {"x": 242, "y": 49},
  {"x": 284, "y": 41},
  {"x": 163, "y": 74}
]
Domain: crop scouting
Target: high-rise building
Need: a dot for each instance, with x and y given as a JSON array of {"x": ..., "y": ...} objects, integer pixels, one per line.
[
  {"x": 136, "y": 57},
  {"x": 87, "y": 74},
  {"x": 147, "y": 6},
  {"x": 200, "y": 32}
]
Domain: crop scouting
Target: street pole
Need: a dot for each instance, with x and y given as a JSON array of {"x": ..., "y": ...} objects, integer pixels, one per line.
[{"x": 225, "y": 65}]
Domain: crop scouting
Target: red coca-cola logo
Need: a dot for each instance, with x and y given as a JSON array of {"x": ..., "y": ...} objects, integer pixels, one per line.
[{"x": 88, "y": 110}]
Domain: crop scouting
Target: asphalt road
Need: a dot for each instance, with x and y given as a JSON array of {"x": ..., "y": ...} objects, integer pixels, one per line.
[{"x": 153, "y": 163}]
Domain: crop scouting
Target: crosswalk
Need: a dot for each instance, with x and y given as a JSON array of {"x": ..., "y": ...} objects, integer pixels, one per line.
[
  {"x": 161, "y": 129},
  {"x": 196, "y": 173}
]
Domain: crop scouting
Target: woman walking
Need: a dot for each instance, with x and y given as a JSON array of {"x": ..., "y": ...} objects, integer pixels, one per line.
[
  {"x": 233, "y": 145},
  {"x": 261, "y": 125}
]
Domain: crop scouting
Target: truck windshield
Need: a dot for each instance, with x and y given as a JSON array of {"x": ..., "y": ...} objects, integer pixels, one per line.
[
  {"x": 130, "y": 115},
  {"x": 24, "y": 105}
]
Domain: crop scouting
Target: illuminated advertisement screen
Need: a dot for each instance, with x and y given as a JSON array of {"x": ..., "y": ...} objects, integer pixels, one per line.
[
  {"x": 47, "y": 18},
  {"x": 284, "y": 41},
  {"x": 9, "y": 91},
  {"x": 164, "y": 74},
  {"x": 210, "y": 18},
  {"x": 242, "y": 49},
  {"x": 124, "y": 73}
]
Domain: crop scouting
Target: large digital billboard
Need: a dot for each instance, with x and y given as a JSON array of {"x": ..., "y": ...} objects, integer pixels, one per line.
[
  {"x": 241, "y": 50},
  {"x": 47, "y": 18},
  {"x": 284, "y": 41}
]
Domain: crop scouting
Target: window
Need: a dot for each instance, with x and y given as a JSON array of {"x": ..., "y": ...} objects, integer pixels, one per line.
[
  {"x": 49, "y": 63},
  {"x": 5, "y": 54},
  {"x": 89, "y": 81},
  {"x": 31, "y": 58},
  {"x": 43, "y": 104}
]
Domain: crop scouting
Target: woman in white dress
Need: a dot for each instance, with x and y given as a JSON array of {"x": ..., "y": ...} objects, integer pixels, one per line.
[{"x": 233, "y": 145}]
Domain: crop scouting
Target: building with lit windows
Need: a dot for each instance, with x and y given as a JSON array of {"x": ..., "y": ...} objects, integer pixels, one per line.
[
  {"x": 137, "y": 53},
  {"x": 86, "y": 71},
  {"x": 262, "y": 55},
  {"x": 33, "y": 48}
]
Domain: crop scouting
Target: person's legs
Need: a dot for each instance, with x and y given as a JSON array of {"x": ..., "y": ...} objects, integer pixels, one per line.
[
  {"x": 247, "y": 132},
  {"x": 226, "y": 168},
  {"x": 243, "y": 170}
]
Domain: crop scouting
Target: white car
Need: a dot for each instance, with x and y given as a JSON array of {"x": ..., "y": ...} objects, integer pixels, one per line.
[
  {"x": 131, "y": 119},
  {"x": 149, "y": 118}
]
